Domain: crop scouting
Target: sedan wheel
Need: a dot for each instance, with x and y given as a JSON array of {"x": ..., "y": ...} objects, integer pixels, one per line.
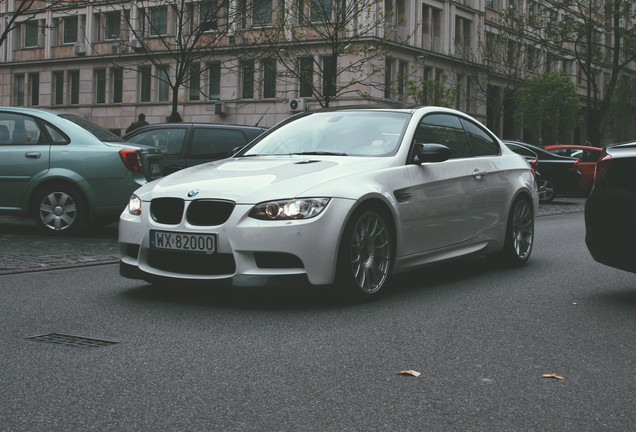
[
  {"x": 519, "y": 233},
  {"x": 546, "y": 191},
  {"x": 366, "y": 255},
  {"x": 59, "y": 209}
]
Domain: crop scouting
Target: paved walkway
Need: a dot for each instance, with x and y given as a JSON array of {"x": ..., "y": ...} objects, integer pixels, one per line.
[{"x": 24, "y": 248}]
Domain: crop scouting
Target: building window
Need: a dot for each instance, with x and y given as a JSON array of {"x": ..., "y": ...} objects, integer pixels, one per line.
[
  {"x": 306, "y": 76},
  {"x": 58, "y": 88},
  {"x": 329, "y": 74},
  {"x": 19, "y": 90},
  {"x": 34, "y": 87},
  {"x": 431, "y": 28},
  {"x": 320, "y": 10},
  {"x": 402, "y": 76},
  {"x": 214, "y": 91},
  {"x": 31, "y": 31},
  {"x": 388, "y": 77},
  {"x": 462, "y": 34},
  {"x": 112, "y": 25},
  {"x": 300, "y": 5},
  {"x": 159, "y": 21},
  {"x": 164, "y": 84},
  {"x": 262, "y": 13},
  {"x": 74, "y": 84},
  {"x": 70, "y": 29},
  {"x": 100, "y": 86},
  {"x": 247, "y": 74},
  {"x": 194, "y": 93},
  {"x": 118, "y": 85},
  {"x": 145, "y": 75},
  {"x": 208, "y": 15},
  {"x": 269, "y": 78}
]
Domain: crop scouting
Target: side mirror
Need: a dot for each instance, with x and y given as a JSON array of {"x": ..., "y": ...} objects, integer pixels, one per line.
[{"x": 430, "y": 153}]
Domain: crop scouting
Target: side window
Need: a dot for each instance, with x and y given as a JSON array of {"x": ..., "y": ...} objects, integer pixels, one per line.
[
  {"x": 215, "y": 143},
  {"x": 444, "y": 129},
  {"x": 591, "y": 155},
  {"x": 169, "y": 141},
  {"x": 481, "y": 143},
  {"x": 57, "y": 136},
  {"x": 19, "y": 130}
]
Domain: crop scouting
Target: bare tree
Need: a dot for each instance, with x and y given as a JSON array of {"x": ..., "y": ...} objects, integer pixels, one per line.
[
  {"x": 600, "y": 38},
  {"x": 344, "y": 43},
  {"x": 504, "y": 58},
  {"x": 179, "y": 38}
]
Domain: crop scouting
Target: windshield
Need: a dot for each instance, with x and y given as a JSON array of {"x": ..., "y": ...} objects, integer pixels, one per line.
[
  {"x": 342, "y": 133},
  {"x": 101, "y": 133}
]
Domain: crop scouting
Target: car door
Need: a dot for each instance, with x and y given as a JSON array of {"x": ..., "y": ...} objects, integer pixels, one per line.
[
  {"x": 24, "y": 157},
  {"x": 170, "y": 140},
  {"x": 446, "y": 202},
  {"x": 209, "y": 144}
]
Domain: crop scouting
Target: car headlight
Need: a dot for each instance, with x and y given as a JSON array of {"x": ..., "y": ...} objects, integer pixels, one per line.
[
  {"x": 301, "y": 208},
  {"x": 134, "y": 205}
]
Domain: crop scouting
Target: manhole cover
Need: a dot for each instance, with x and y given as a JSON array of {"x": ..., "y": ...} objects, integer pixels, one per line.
[{"x": 69, "y": 340}]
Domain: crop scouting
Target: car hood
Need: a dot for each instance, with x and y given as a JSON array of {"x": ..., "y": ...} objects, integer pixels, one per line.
[{"x": 255, "y": 179}]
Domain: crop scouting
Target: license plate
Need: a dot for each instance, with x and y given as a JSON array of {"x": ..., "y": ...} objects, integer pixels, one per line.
[
  {"x": 189, "y": 242},
  {"x": 155, "y": 168}
]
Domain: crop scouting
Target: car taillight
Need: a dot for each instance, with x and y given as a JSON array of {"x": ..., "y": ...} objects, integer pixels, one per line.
[
  {"x": 601, "y": 166},
  {"x": 132, "y": 160},
  {"x": 534, "y": 165}
]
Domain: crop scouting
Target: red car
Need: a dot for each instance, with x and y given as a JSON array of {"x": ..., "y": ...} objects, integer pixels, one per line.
[{"x": 588, "y": 156}]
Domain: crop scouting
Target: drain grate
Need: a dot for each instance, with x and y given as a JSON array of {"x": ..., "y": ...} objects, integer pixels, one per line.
[{"x": 72, "y": 341}]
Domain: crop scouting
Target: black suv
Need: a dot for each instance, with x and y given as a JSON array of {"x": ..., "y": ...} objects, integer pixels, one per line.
[{"x": 187, "y": 144}]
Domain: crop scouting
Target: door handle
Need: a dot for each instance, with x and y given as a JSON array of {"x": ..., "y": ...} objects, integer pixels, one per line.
[
  {"x": 33, "y": 155},
  {"x": 479, "y": 174}
]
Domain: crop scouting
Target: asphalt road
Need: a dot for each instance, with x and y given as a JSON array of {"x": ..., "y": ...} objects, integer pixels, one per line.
[{"x": 273, "y": 360}]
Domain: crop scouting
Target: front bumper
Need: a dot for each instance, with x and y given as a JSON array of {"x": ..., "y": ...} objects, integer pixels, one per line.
[{"x": 249, "y": 252}]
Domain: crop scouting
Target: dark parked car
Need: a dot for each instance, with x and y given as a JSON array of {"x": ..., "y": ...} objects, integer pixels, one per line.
[
  {"x": 588, "y": 156},
  {"x": 560, "y": 175},
  {"x": 187, "y": 144},
  {"x": 610, "y": 210},
  {"x": 65, "y": 171}
]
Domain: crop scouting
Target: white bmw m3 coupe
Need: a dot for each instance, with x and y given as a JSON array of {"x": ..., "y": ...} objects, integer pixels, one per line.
[{"x": 340, "y": 197}]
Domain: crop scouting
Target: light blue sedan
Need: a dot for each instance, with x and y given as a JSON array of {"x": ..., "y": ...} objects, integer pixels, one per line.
[{"x": 65, "y": 171}]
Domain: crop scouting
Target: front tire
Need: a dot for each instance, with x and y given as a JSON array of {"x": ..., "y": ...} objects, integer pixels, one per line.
[
  {"x": 365, "y": 257},
  {"x": 59, "y": 209},
  {"x": 519, "y": 234}
]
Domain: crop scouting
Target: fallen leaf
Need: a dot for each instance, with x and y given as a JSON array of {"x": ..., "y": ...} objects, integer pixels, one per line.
[
  {"x": 553, "y": 375},
  {"x": 409, "y": 372}
]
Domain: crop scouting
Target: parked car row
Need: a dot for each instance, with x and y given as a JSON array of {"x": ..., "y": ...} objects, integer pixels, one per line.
[
  {"x": 559, "y": 175},
  {"x": 65, "y": 171},
  {"x": 188, "y": 144}
]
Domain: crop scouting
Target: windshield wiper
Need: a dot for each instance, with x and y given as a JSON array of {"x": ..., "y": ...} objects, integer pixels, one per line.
[{"x": 321, "y": 153}]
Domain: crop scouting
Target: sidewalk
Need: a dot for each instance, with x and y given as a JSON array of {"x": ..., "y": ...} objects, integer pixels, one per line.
[{"x": 24, "y": 248}]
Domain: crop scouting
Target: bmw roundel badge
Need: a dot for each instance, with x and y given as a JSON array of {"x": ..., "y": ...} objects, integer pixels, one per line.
[{"x": 193, "y": 193}]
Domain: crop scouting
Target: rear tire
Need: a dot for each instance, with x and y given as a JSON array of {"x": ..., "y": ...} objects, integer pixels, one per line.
[
  {"x": 59, "y": 209},
  {"x": 547, "y": 191},
  {"x": 365, "y": 257},
  {"x": 519, "y": 234}
]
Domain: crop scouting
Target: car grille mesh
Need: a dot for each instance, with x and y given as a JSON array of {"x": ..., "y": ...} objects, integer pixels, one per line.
[
  {"x": 167, "y": 210},
  {"x": 209, "y": 212},
  {"x": 189, "y": 263}
]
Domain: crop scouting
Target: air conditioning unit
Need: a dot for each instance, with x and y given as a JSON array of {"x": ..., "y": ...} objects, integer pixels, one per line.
[
  {"x": 297, "y": 105},
  {"x": 79, "y": 49},
  {"x": 220, "y": 108},
  {"x": 136, "y": 43}
]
